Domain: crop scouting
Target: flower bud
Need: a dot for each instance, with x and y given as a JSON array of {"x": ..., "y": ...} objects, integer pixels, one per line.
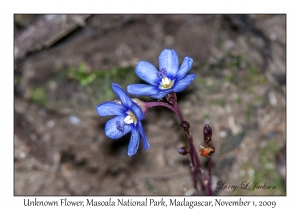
[
  {"x": 207, "y": 133},
  {"x": 182, "y": 151},
  {"x": 185, "y": 125}
]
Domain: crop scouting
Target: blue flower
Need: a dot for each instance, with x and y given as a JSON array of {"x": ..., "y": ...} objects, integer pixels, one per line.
[
  {"x": 128, "y": 118},
  {"x": 169, "y": 78}
]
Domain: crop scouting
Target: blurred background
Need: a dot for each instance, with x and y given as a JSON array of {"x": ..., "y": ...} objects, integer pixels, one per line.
[{"x": 64, "y": 65}]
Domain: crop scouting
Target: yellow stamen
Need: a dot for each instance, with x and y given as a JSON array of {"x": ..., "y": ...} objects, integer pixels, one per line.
[
  {"x": 166, "y": 83},
  {"x": 130, "y": 118}
]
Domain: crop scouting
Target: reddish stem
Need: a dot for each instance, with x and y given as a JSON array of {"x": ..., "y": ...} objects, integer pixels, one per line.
[
  {"x": 196, "y": 166},
  {"x": 159, "y": 103}
]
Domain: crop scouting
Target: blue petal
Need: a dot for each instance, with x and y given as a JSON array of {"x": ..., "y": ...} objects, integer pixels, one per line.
[
  {"x": 142, "y": 90},
  {"x": 124, "y": 98},
  {"x": 111, "y": 129},
  {"x": 134, "y": 142},
  {"x": 137, "y": 111},
  {"x": 142, "y": 132},
  {"x": 168, "y": 59},
  {"x": 110, "y": 108},
  {"x": 185, "y": 67},
  {"x": 147, "y": 72},
  {"x": 183, "y": 83},
  {"x": 161, "y": 94}
]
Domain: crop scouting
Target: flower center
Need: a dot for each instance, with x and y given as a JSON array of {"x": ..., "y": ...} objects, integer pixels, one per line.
[
  {"x": 130, "y": 118},
  {"x": 166, "y": 83}
]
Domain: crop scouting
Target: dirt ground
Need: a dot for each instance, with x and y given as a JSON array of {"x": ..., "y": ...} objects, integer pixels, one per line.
[{"x": 64, "y": 65}]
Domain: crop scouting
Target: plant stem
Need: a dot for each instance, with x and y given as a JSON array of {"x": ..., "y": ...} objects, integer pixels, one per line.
[
  {"x": 196, "y": 166},
  {"x": 159, "y": 103}
]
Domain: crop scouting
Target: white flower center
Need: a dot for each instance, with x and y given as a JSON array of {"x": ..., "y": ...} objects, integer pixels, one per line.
[
  {"x": 130, "y": 118},
  {"x": 166, "y": 83}
]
